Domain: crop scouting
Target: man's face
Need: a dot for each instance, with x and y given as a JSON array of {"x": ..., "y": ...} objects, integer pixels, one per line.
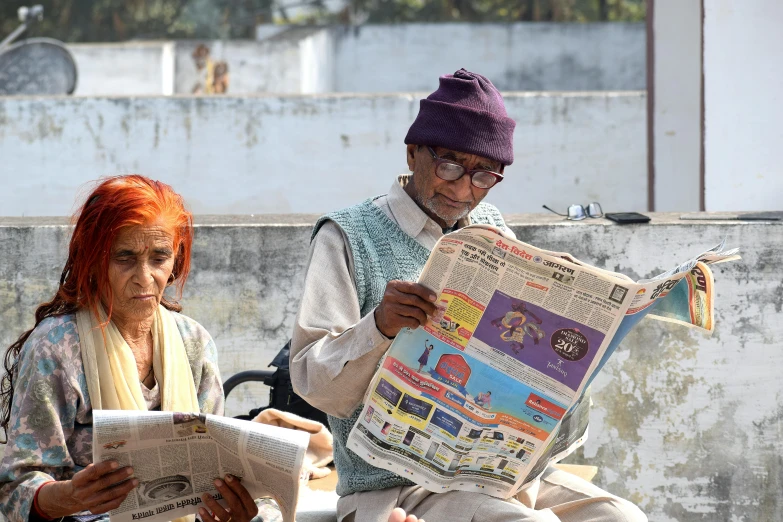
[{"x": 445, "y": 201}]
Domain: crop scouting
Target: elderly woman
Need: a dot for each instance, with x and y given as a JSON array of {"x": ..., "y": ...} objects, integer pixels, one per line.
[{"x": 109, "y": 339}]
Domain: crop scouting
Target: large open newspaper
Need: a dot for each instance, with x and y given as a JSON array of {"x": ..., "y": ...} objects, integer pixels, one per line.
[
  {"x": 177, "y": 456},
  {"x": 494, "y": 387}
]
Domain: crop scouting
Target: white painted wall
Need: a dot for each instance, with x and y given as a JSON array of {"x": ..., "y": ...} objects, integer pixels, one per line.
[
  {"x": 316, "y": 62},
  {"x": 130, "y": 67},
  {"x": 677, "y": 104},
  {"x": 155, "y": 68},
  {"x": 520, "y": 56},
  {"x": 743, "y": 75},
  {"x": 234, "y": 155},
  {"x": 380, "y": 58}
]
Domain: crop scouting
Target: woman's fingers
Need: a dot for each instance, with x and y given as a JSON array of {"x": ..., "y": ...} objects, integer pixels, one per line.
[
  {"x": 93, "y": 472},
  {"x": 205, "y": 516},
  {"x": 99, "y": 486},
  {"x": 113, "y": 503},
  {"x": 248, "y": 504},
  {"x": 108, "y": 481},
  {"x": 215, "y": 509},
  {"x": 108, "y": 496}
]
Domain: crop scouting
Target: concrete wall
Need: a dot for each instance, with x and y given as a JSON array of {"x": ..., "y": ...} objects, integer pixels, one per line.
[
  {"x": 518, "y": 56},
  {"x": 306, "y": 153},
  {"x": 316, "y": 62},
  {"x": 131, "y": 68},
  {"x": 380, "y": 58},
  {"x": 688, "y": 426},
  {"x": 155, "y": 68},
  {"x": 676, "y": 102},
  {"x": 743, "y": 130}
]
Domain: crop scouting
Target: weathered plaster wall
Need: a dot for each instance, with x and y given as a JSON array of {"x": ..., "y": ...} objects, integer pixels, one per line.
[
  {"x": 131, "y": 67},
  {"x": 688, "y": 426},
  {"x": 264, "y": 154},
  {"x": 516, "y": 57}
]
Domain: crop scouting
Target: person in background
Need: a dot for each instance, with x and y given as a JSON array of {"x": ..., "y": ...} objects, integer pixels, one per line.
[{"x": 359, "y": 292}]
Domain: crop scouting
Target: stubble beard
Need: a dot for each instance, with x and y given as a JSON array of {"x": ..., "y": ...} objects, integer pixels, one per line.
[
  {"x": 449, "y": 218},
  {"x": 437, "y": 210}
]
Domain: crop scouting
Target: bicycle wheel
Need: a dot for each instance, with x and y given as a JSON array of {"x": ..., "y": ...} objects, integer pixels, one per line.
[{"x": 37, "y": 66}]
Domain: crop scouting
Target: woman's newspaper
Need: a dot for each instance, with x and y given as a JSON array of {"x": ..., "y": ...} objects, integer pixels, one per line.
[
  {"x": 177, "y": 456},
  {"x": 494, "y": 387}
]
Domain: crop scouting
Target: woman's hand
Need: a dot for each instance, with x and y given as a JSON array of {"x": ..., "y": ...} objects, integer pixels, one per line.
[
  {"x": 241, "y": 506},
  {"x": 98, "y": 488},
  {"x": 398, "y": 515}
]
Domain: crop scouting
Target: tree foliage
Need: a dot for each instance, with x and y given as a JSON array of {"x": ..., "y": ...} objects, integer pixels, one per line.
[
  {"x": 389, "y": 11},
  {"x": 119, "y": 20}
]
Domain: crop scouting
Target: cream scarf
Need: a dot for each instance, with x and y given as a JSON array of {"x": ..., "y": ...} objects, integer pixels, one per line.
[{"x": 111, "y": 373}]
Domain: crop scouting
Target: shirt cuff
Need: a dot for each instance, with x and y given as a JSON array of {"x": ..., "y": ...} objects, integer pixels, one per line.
[
  {"x": 374, "y": 334},
  {"x": 367, "y": 338}
]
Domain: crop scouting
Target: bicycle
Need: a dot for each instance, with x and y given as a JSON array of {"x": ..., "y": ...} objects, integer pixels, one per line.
[{"x": 35, "y": 66}]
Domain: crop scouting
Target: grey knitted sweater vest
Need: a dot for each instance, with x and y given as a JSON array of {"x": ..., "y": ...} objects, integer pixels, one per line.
[{"x": 381, "y": 252}]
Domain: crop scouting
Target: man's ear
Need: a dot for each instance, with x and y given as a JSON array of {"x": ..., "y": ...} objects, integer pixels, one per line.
[
  {"x": 502, "y": 168},
  {"x": 410, "y": 151}
]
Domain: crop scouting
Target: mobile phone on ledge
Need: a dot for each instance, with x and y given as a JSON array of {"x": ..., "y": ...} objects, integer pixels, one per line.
[{"x": 626, "y": 218}]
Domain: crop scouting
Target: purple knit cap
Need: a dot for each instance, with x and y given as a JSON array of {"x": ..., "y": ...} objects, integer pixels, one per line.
[{"x": 465, "y": 114}]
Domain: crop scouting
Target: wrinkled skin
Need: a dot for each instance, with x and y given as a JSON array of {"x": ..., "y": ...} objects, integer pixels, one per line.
[{"x": 445, "y": 201}]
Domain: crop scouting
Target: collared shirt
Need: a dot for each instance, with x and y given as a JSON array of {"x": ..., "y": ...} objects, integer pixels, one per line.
[{"x": 335, "y": 351}]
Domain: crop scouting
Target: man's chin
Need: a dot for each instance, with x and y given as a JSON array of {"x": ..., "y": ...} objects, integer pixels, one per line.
[
  {"x": 446, "y": 213},
  {"x": 451, "y": 217}
]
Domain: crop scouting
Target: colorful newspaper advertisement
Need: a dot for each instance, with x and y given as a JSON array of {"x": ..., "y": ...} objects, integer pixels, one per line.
[
  {"x": 494, "y": 386},
  {"x": 177, "y": 456}
]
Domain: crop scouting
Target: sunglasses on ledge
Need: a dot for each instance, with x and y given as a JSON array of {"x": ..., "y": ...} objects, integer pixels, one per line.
[{"x": 579, "y": 212}]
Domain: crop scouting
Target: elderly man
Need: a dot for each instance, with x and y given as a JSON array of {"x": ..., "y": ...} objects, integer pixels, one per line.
[{"x": 359, "y": 293}]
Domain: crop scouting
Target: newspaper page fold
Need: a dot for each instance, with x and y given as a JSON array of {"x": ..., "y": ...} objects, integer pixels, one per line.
[{"x": 177, "y": 456}]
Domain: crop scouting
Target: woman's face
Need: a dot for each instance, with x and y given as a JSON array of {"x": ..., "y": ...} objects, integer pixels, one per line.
[{"x": 142, "y": 259}]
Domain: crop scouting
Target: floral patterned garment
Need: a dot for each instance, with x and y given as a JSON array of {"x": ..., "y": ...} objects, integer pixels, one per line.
[{"x": 50, "y": 433}]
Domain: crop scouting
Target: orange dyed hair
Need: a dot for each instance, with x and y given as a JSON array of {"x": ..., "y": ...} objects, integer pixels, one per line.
[
  {"x": 117, "y": 203},
  {"x": 113, "y": 205}
]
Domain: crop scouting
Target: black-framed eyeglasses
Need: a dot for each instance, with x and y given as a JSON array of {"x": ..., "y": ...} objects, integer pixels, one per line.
[
  {"x": 578, "y": 212},
  {"x": 449, "y": 170}
]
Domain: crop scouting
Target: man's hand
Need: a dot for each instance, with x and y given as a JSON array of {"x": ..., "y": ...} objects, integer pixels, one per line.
[
  {"x": 403, "y": 305},
  {"x": 98, "y": 488}
]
